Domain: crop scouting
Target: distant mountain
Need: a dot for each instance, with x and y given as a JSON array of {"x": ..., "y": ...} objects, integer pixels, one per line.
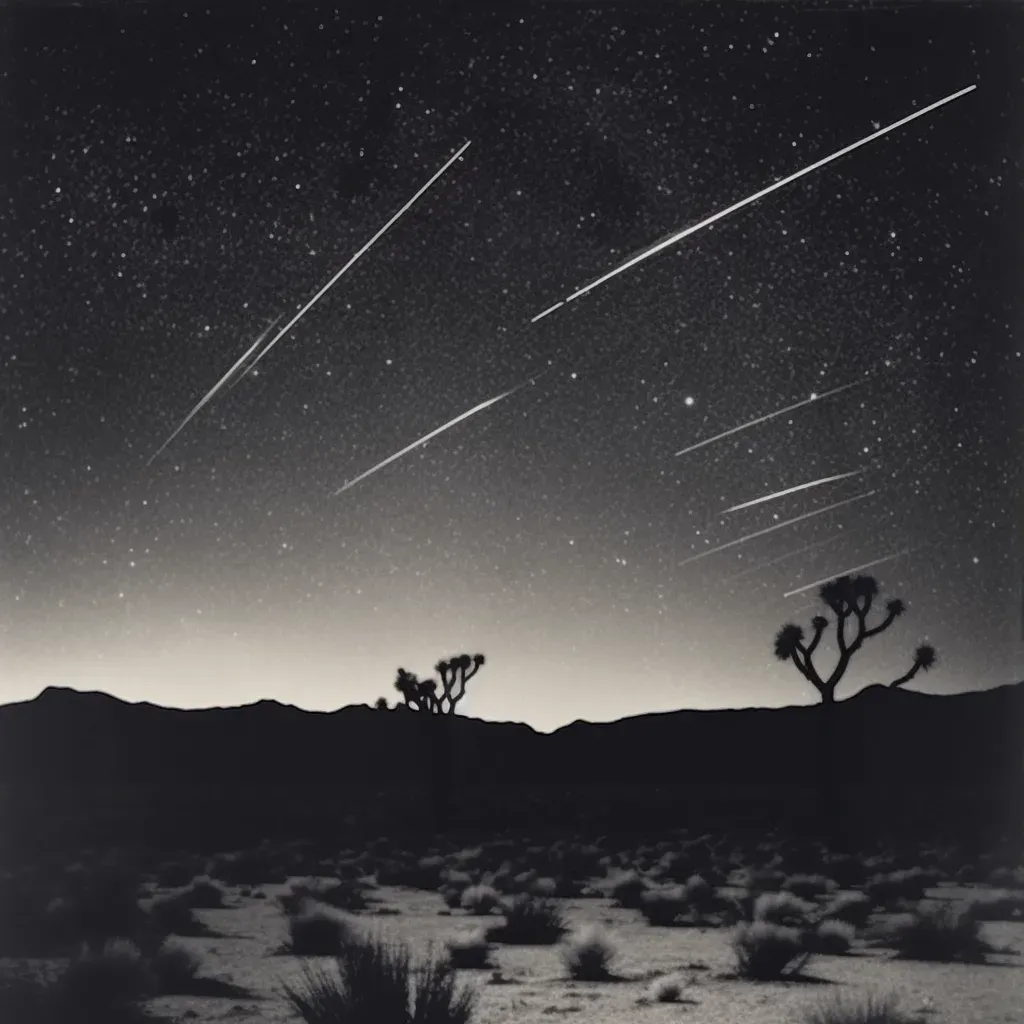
[{"x": 68, "y": 754}]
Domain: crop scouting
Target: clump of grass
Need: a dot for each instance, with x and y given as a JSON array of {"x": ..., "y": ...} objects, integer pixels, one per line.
[
  {"x": 342, "y": 895},
  {"x": 769, "y": 952},
  {"x": 783, "y": 908},
  {"x": 831, "y": 937},
  {"x": 662, "y": 907},
  {"x": 529, "y": 921},
  {"x": 628, "y": 888},
  {"x": 318, "y": 930},
  {"x": 173, "y": 916},
  {"x": 942, "y": 934},
  {"x": 175, "y": 968},
  {"x": 373, "y": 980},
  {"x": 480, "y": 899},
  {"x": 470, "y": 951},
  {"x": 997, "y": 908},
  {"x": 870, "y": 1009},
  {"x": 104, "y": 985},
  {"x": 809, "y": 887},
  {"x": 203, "y": 893},
  {"x": 666, "y": 990},
  {"x": 888, "y": 889},
  {"x": 588, "y": 955},
  {"x": 852, "y": 907}
]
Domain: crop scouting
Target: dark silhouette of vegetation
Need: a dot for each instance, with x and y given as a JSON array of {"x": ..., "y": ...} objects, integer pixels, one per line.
[
  {"x": 851, "y": 600},
  {"x": 381, "y": 704},
  {"x": 421, "y": 694}
]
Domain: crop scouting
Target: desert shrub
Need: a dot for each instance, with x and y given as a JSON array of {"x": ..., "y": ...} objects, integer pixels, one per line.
[
  {"x": 546, "y": 887},
  {"x": 847, "y": 871},
  {"x": 173, "y": 916},
  {"x": 942, "y": 934},
  {"x": 809, "y": 887},
  {"x": 628, "y": 888},
  {"x": 203, "y": 893},
  {"x": 173, "y": 874},
  {"x": 588, "y": 955},
  {"x": 480, "y": 899},
  {"x": 700, "y": 897},
  {"x": 888, "y": 889},
  {"x": 524, "y": 880},
  {"x": 997, "y": 908},
  {"x": 832, "y": 937},
  {"x": 373, "y": 980},
  {"x": 106, "y": 984},
  {"x": 529, "y": 921},
  {"x": 99, "y": 902},
  {"x": 259, "y": 866},
  {"x": 769, "y": 952},
  {"x": 470, "y": 951},
  {"x": 783, "y": 908},
  {"x": 661, "y": 907},
  {"x": 318, "y": 930},
  {"x": 175, "y": 968},
  {"x": 870, "y": 1009},
  {"x": 342, "y": 895},
  {"x": 452, "y": 896},
  {"x": 666, "y": 990},
  {"x": 762, "y": 879},
  {"x": 852, "y": 907},
  {"x": 456, "y": 879},
  {"x": 1006, "y": 878}
]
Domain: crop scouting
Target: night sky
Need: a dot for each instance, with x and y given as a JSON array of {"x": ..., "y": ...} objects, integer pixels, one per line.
[{"x": 176, "y": 176}]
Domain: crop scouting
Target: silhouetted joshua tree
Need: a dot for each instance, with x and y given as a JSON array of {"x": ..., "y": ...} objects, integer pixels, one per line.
[
  {"x": 421, "y": 695},
  {"x": 851, "y": 600},
  {"x": 381, "y": 704}
]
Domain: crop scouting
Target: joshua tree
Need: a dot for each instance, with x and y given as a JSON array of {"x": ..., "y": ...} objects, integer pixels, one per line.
[
  {"x": 381, "y": 704},
  {"x": 851, "y": 600},
  {"x": 421, "y": 694},
  {"x": 438, "y": 710}
]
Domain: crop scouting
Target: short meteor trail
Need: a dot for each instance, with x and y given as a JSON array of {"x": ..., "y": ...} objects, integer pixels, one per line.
[
  {"x": 847, "y": 572},
  {"x": 783, "y": 558},
  {"x": 227, "y": 376},
  {"x": 427, "y": 437},
  {"x": 770, "y": 416},
  {"x": 777, "y": 526},
  {"x": 792, "y": 490},
  {"x": 680, "y": 235},
  {"x": 309, "y": 305}
]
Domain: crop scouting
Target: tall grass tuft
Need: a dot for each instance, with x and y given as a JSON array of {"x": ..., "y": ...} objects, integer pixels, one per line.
[
  {"x": 943, "y": 934},
  {"x": 769, "y": 952},
  {"x": 870, "y": 1009},
  {"x": 374, "y": 981},
  {"x": 529, "y": 922},
  {"x": 588, "y": 955}
]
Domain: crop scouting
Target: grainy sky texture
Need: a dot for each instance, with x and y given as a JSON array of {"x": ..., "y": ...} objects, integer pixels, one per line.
[{"x": 177, "y": 176}]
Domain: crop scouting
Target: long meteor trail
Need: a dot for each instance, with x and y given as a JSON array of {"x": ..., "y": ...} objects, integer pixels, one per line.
[
  {"x": 769, "y": 416},
  {"x": 680, "y": 235},
  {"x": 847, "y": 572},
  {"x": 792, "y": 490},
  {"x": 777, "y": 526},
  {"x": 427, "y": 437},
  {"x": 224, "y": 380},
  {"x": 782, "y": 558},
  {"x": 312, "y": 302}
]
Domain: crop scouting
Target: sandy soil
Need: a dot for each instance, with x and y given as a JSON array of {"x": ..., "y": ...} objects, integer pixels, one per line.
[{"x": 538, "y": 989}]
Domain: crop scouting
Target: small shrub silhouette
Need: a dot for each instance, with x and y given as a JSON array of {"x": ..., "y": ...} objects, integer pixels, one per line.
[
  {"x": 769, "y": 952},
  {"x": 342, "y": 895},
  {"x": 783, "y": 908},
  {"x": 870, "y": 1009},
  {"x": 108, "y": 984},
  {"x": 374, "y": 981},
  {"x": 852, "y": 907},
  {"x": 627, "y": 890},
  {"x": 943, "y": 934},
  {"x": 831, "y": 937},
  {"x": 470, "y": 951},
  {"x": 997, "y": 908},
  {"x": 175, "y": 968},
  {"x": 666, "y": 990},
  {"x": 318, "y": 930},
  {"x": 588, "y": 955},
  {"x": 888, "y": 889},
  {"x": 662, "y": 907},
  {"x": 173, "y": 916},
  {"x": 809, "y": 887},
  {"x": 529, "y": 921},
  {"x": 203, "y": 893},
  {"x": 480, "y": 899}
]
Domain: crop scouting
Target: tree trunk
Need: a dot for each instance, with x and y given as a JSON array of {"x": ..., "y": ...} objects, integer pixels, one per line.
[{"x": 829, "y": 810}]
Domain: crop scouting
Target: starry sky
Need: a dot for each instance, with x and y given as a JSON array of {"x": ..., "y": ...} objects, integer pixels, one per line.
[{"x": 175, "y": 177}]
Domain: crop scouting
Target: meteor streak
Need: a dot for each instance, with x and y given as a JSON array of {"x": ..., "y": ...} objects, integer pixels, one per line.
[
  {"x": 847, "y": 572},
  {"x": 330, "y": 284},
  {"x": 770, "y": 416},
  {"x": 792, "y": 490},
  {"x": 680, "y": 235},
  {"x": 783, "y": 558},
  {"x": 777, "y": 526},
  {"x": 427, "y": 437},
  {"x": 227, "y": 376},
  {"x": 309, "y": 305},
  {"x": 245, "y": 371}
]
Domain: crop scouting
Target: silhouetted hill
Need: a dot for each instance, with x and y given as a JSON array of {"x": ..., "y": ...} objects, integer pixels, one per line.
[{"x": 88, "y": 756}]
